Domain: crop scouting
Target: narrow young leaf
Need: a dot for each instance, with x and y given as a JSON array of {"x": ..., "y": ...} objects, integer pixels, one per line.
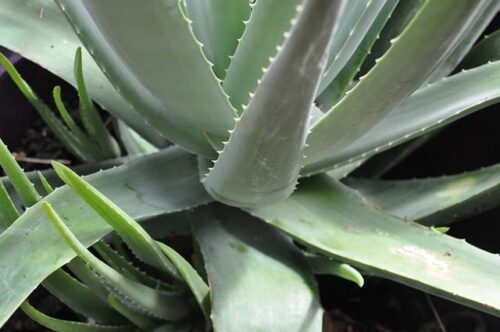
[
  {"x": 138, "y": 240},
  {"x": 69, "y": 326},
  {"x": 39, "y": 32},
  {"x": 8, "y": 211},
  {"x": 19, "y": 180},
  {"x": 90, "y": 117},
  {"x": 261, "y": 161},
  {"x": 198, "y": 287},
  {"x": 142, "y": 196},
  {"x": 157, "y": 303},
  {"x": 80, "y": 298},
  {"x": 60, "y": 131}
]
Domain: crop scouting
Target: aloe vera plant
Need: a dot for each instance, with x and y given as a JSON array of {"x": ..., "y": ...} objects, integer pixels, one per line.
[{"x": 270, "y": 104}]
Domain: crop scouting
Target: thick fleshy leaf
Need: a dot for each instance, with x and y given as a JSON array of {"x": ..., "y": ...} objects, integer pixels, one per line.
[
  {"x": 141, "y": 196},
  {"x": 403, "y": 14},
  {"x": 334, "y": 220},
  {"x": 268, "y": 22},
  {"x": 333, "y": 92},
  {"x": 358, "y": 30},
  {"x": 258, "y": 279},
  {"x": 405, "y": 66},
  {"x": 434, "y": 201},
  {"x": 429, "y": 108},
  {"x": 171, "y": 85},
  {"x": 38, "y": 30},
  {"x": 488, "y": 49},
  {"x": 472, "y": 33},
  {"x": 261, "y": 161},
  {"x": 218, "y": 25}
]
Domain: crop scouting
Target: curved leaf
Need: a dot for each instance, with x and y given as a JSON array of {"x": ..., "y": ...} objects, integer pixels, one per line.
[
  {"x": 171, "y": 85},
  {"x": 258, "y": 279},
  {"x": 336, "y": 221},
  {"x": 69, "y": 326},
  {"x": 434, "y": 201},
  {"x": 38, "y": 31},
  {"x": 358, "y": 31},
  {"x": 429, "y": 108},
  {"x": 133, "y": 186},
  {"x": 441, "y": 23}
]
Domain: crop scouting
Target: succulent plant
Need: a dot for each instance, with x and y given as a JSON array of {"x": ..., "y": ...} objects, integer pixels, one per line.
[{"x": 270, "y": 105}]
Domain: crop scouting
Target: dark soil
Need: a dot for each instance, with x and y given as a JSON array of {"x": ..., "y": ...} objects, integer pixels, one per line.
[{"x": 380, "y": 305}]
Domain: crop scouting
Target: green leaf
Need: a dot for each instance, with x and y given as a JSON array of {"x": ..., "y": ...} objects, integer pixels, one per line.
[
  {"x": 218, "y": 25},
  {"x": 350, "y": 16},
  {"x": 403, "y": 14},
  {"x": 171, "y": 85},
  {"x": 133, "y": 186},
  {"x": 141, "y": 321},
  {"x": 473, "y": 31},
  {"x": 261, "y": 161},
  {"x": 268, "y": 22},
  {"x": 259, "y": 281},
  {"x": 126, "y": 267},
  {"x": 488, "y": 49},
  {"x": 434, "y": 201},
  {"x": 440, "y": 23},
  {"x": 335, "y": 221},
  {"x": 133, "y": 143},
  {"x": 326, "y": 265},
  {"x": 80, "y": 298},
  {"x": 90, "y": 117},
  {"x": 333, "y": 92},
  {"x": 429, "y": 108},
  {"x": 198, "y": 287},
  {"x": 66, "y": 117},
  {"x": 358, "y": 29},
  {"x": 169, "y": 306},
  {"x": 38, "y": 31},
  {"x": 70, "y": 141},
  {"x": 69, "y": 326},
  {"x": 20, "y": 181},
  {"x": 138, "y": 240},
  {"x": 8, "y": 211}
]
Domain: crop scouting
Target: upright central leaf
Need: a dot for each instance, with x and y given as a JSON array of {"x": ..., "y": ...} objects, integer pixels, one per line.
[{"x": 261, "y": 161}]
